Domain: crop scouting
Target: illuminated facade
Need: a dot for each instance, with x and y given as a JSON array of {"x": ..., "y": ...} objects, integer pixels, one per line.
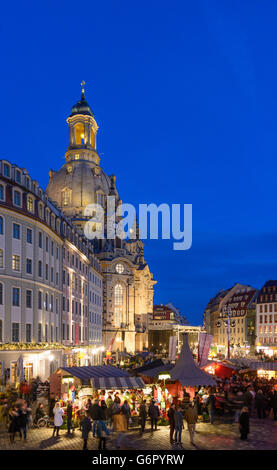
[
  {"x": 266, "y": 318},
  {"x": 127, "y": 280},
  {"x": 46, "y": 267}
]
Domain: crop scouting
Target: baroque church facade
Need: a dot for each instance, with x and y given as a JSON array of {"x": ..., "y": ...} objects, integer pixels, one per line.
[{"x": 127, "y": 280}]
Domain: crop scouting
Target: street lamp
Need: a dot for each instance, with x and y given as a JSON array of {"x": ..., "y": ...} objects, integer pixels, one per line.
[{"x": 227, "y": 323}]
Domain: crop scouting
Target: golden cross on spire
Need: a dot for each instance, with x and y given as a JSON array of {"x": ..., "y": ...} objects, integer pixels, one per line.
[{"x": 83, "y": 86}]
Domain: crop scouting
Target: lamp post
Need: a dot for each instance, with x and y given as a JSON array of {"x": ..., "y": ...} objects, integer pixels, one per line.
[{"x": 228, "y": 312}]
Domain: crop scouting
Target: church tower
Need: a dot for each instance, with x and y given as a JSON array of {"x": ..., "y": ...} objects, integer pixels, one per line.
[{"x": 128, "y": 282}]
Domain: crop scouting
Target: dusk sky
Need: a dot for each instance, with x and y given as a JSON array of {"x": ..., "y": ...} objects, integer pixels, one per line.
[{"x": 185, "y": 96}]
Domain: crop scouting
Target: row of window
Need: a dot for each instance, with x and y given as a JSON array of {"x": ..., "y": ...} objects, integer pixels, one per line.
[
  {"x": 268, "y": 329},
  {"x": 268, "y": 318},
  {"x": 48, "y": 303},
  {"x": 268, "y": 308},
  {"x": 268, "y": 340}
]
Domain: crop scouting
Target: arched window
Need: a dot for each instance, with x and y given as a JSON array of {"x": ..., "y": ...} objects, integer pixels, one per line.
[
  {"x": 118, "y": 304},
  {"x": 79, "y": 134},
  {"x": 1, "y": 225}
]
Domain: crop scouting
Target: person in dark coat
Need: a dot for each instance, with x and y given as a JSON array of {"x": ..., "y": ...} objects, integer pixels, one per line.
[
  {"x": 86, "y": 427},
  {"x": 126, "y": 410},
  {"x": 69, "y": 416},
  {"x": 154, "y": 414},
  {"x": 95, "y": 414},
  {"x": 210, "y": 404},
  {"x": 170, "y": 415},
  {"x": 142, "y": 415},
  {"x": 14, "y": 423},
  {"x": 260, "y": 403},
  {"x": 273, "y": 404},
  {"x": 248, "y": 399},
  {"x": 103, "y": 411},
  {"x": 244, "y": 423}
]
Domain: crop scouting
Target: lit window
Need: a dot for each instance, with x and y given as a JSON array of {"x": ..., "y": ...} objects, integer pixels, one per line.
[
  {"x": 66, "y": 197},
  {"x": 16, "y": 263},
  {"x": 1, "y": 258},
  {"x": 119, "y": 268},
  {"x": 30, "y": 204}
]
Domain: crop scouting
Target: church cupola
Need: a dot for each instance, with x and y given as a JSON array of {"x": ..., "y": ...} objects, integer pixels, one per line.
[{"x": 82, "y": 132}]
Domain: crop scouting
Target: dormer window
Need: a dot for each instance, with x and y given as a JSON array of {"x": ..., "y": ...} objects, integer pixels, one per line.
[
  {"x": 30, "y": 204},
  {"x": 7, "y": 170},
  {"x": 18, "y": 176},
  {"x": 17, "y": 198}
]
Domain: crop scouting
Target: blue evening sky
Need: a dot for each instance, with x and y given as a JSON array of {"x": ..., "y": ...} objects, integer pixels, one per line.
[{"x": 185, "y": 96}]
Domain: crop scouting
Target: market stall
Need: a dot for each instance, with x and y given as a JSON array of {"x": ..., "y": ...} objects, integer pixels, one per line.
[{"x": 78, "y": 384}]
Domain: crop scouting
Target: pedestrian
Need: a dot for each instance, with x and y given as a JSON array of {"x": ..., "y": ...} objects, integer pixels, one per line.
[
  {"x": 119, "y": 426},
  {"x": 244, "y": 423},
  {"x": 69, "y": 416},
  {"x": 101, "y": 432},
  {"x": 154, "y": 414},
  {"x": 210, "y": 404},
  {"x": 178, "y": 425},
  {"x": 126, "y": 410},
  {"x": 39, "y": 413},
  {"x": 260, "y": 403},
  {"x": 191, "y": 416},
  {"x": 249, "y": 396},
  {"x": 273, "y": 404},
  {"x": 14, "y": 423},
  {"x": 170, "y": 415},
  {"x": 58, "y": 418},
  {"x": 24, "y": 419},
  {"x": 86, "y": 427},
  {"x": 95, "y": 414},
  {"x": 103, "y": 411},
  {"x": 142, "y": 415}
]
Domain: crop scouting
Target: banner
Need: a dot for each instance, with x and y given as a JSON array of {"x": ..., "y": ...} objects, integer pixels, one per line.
[
  {"x": 204, "y": 344},
  {"x": 172, "y": 348}
]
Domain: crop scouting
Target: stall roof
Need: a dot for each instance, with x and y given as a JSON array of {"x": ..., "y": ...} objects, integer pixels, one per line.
[
  {"x": 151, "y": 365},
  {"x": 90, "y": 372},
  {"x": 155, "y": 371},
  {"x": 186, "y": 371},
  {"x": 253, "y": 365},
  {"x": 111, "y": 383}
]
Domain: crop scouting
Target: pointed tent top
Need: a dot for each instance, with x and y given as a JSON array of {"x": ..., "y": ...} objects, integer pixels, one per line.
[
  {"x": 187, "y": 372},
  {"x": 82, "y": 107}
]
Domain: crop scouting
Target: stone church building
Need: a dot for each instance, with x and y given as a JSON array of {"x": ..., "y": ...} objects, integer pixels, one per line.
[{"x": 128, "y": 282}]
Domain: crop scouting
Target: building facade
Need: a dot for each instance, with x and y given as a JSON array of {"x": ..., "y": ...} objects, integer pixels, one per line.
[
  {"x": 127, "y": 280},
  {"x": 266, "y": 318},
  {"x": 239, "y": 299},
  {"x": 45, "y": 266}
]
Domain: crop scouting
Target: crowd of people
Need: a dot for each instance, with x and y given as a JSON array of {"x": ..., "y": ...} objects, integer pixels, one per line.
[{"x": 241, "y": 398}]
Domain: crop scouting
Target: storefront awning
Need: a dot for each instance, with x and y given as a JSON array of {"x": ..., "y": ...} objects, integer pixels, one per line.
[{"x": 114, "y": 383}]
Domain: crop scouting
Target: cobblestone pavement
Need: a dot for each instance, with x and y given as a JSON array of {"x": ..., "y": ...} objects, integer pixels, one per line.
[{"x": 263, "y": 435}]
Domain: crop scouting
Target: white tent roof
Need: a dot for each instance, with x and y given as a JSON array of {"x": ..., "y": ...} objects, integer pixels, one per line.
[{"x": 187, "y": 372}]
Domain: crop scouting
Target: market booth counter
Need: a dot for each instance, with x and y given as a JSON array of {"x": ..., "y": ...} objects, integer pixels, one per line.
[{"x": 78, "y": 384}]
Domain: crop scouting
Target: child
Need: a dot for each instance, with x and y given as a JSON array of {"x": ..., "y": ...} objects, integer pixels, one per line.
[
  {"x": 101, "y": 432},
  {"x": 244, "y": 423}
]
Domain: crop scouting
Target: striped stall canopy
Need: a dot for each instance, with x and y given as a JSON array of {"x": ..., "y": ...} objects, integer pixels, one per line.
[{"x": 114, "y": 383}]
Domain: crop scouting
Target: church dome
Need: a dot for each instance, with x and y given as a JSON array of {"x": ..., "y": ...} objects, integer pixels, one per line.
[
  {"x": 82, "y": 107},
  {"x": 78, "y": 184}
]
